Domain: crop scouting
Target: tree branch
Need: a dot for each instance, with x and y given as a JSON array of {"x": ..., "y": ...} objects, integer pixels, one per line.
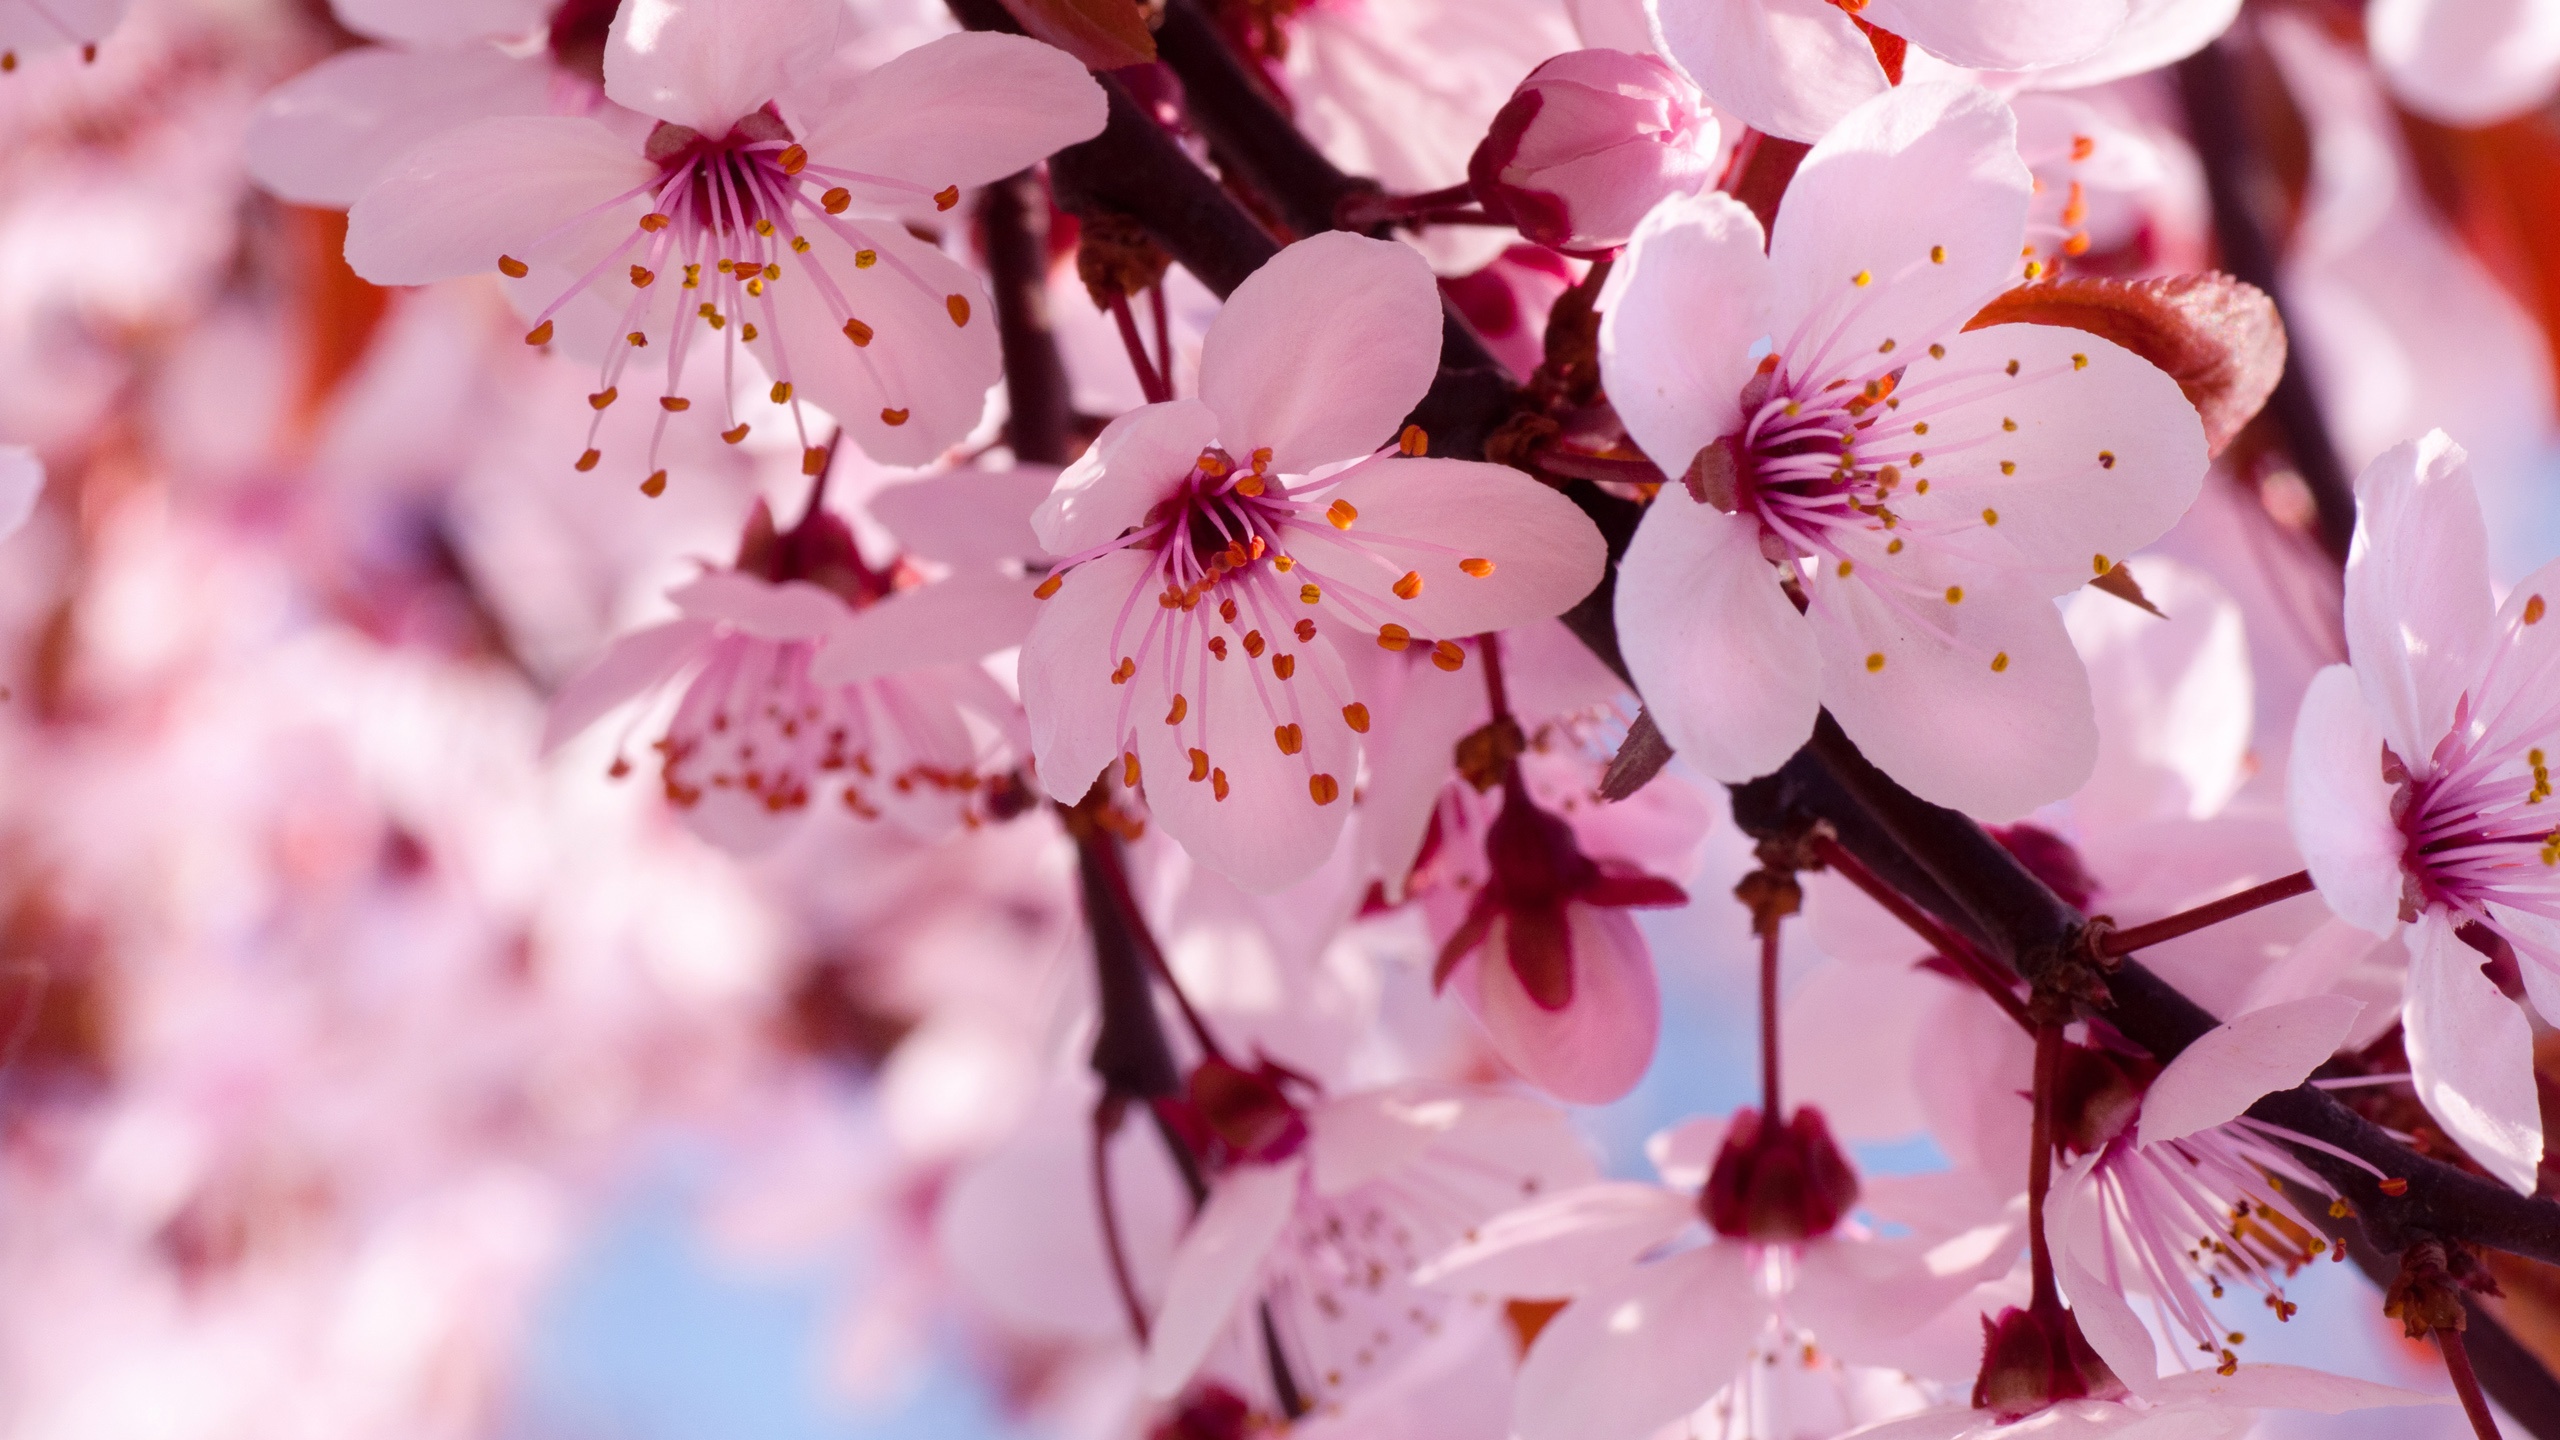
[{"x": 1013, "y": 214}]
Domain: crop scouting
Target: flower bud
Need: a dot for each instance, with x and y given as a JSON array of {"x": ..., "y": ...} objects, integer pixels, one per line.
[
  {"x": 1590, "y": 141},
  {"x": 2035, "y": 1358},
  {"x": 1778, "y": 1182}
]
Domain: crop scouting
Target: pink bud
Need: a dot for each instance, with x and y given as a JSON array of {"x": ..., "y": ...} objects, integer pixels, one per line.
[
  {"x": 2035, "y": 1358},
  {"x": 1776, "y": 1182},
  {"x": 1589, "y": 142}
]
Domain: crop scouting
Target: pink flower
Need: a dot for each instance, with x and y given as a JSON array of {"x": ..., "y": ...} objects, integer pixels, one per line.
[
  {"x": 2467, "y": 62},
  {"x": 21, "y": 481},
  {"x": 29, "y": 28},
  {"x": 812, "y": 678},
  {"x": 1589, "y": 142},
  {"x": 2171, "y": 1156},
  {"x": 2418, "y": 785},
  {"x": 1323, "y": 1212},
  {"x": 1218, "y": 550},
  {"x": 1794, "y": 68},
  {"x": 1549, "y": 960},
  {"x": 1925, "y": 491},
  {"x": 325, "y": 136},
  {"x": 1659, "y": 1323},
  {"x": 734, "y": 212}
]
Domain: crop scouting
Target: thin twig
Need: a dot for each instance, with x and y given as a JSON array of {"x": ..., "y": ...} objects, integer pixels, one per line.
[{"x": 2187, "y": 922}]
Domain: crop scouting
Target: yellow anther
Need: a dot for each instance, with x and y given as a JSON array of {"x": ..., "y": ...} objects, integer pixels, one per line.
[
  {"x": 674, "y": 404},
  {"x": 1120, "y": 674},
  {"x": 1411, "y": 442},
  {"x": 1181, "y": 707},
  {"x": 513, "y": 268},
  {"x": 1284, "y": 666},
  {"x": 1886, "y": 348},
  {"x": 958, "y": 305},
  {"x": 1990, "y": 516},
  {"x": 857, "y": 332},
  {"x": 655, "y": 485},
  {"x": 764, "y": 227},
  {"x": 799, "y": 244},
  {"x": 2008, "y": 467},
  {"x": 1289, "y": 738},
  {"x": 2008, "y": 424},
  {"x": 1048, "y": 587},
  {"x": 1129, "y": 769},
  {"x": 2106, "y": 459},
  {"x": 1356, "y": 715},
  {"x": 836, "y": 200},
  {"x": 1253, "y": 644},
  {"x": 793, "y": 160},
  {"x": 539, "y": 334},
  {"x": 747, "y": 332},
  {"x": 1324, "y": 789},
  {"x": 1199, "y": 764},
  {"x": 1845, "y": 568},
  {"x": 1937, "y": 352},
  {"x": 781, "y": 392},
  {"x": 1862, "y": 279},
  {"x": 1218, "y": 783},
  {"x": 1955, "y": 594},
  {"x": 2012, "y": 368},
  {"x": 1999, "y": 662},
  {"x": 642, "y": 277},
  {"x": 2534, "y": 610},
  {"x": 1394, "y": 637},
  {"x": 893, "y": 417},
  {"x": 1341, "y": 513},
  {"x": 946, "y": 197},
  {"x": 1920, "y": 427},
  {"x": 1305, "y": 630},
  {"x": 604, "y": 397},
  {"x": 813, "y": 461},
  {"x": 1875, "y": 662},
  {"x": 636, "y": 340},
  {"x": 865, "y": 259},
  {"x": 2100, "y": 564},
  {"x": 1921, "y": 488},
  {"x": 2079, "y": 362},
  {"x": 588, "y": 461},
  {"x": 1409, "y": 586},
  {"x": 1448, "y": 656},
  {"x": 1477, "y": 566},
  {"x": 1937, "y": 254},
  {"x": 1309, "y": 594}
]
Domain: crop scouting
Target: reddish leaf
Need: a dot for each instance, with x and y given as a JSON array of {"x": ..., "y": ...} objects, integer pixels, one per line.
[
  {"x": 2218, "y": 338},
  {"x": 1104, "y": 34}
]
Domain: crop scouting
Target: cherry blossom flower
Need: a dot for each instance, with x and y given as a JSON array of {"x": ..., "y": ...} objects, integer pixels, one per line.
[
  {"x": 734, "y": 211},
  {"x": 325, "y": 136},
  {"x": 1322, "y": 1211},
  {"x": 2417, "y": 791},
  {"x": 1925, "y": 489},
  {"x": 2467, "y": 62},
  {"x": 1658, "y": 1324},
  {"x": 813, "y": 677},
  {"x": 1589, "y": 142},
  {"x": 1794, "y": 68},
  {"x": 2175, "y": 1185},
  {"x": 30, "y": 28},
  {"x": 1215, "y": 552}
]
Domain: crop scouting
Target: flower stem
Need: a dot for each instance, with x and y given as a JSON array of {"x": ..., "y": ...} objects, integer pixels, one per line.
[
  {"x": 1573, "y": 464},
  {"x": 1368, "y": 210},
  {"x": 2045, "y": 1299},
  {"x": 1150, "y": 383},
  {"x": 2187, "y": 922},
  {"x": 1106, "y": 1123},
  {"x": 1769, "y": 1113},
  {"x": 1489, "y": 650},
  {"x": 1164, "y": 336},
  {"x": 1964, "y": 957},
  {"x": 2457, "y": 1363}
]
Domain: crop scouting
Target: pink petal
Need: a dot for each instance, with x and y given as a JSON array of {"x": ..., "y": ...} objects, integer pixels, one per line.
[
  {"x": 1998, "y": 34},
  {"x": 1215, "y": 1268},
  {"x": 960, "y": 110},
  {"x": 446, "y": 22},
  {"x": 1940, "y": 709},
  {"x": 1725, "y": 663},
  {"x": 1322, "y": 352},
  {"x": 1596, "y": 1048},
  {"x": 2230, "y": 1066},
  {"x": 2155, "y": 33},
  {"x": 21, "y": 481},
  {"x": 2287, "y": 1387},
  {"x": 1270, "y": 831},
  {"x": 461, "y": 200},
  {"x": 1628, "y": 1358},
  {"x": 953, "y": 621},
  {"x": 1862, "y": 1294},
  {"x": 918, "y": 361},
  {"x": 2467, "y": 62},
  {"x": 2176, "y": 698},
  {"x": 2089, "y": 451},
  {"x": 631, "y": 665},
  {"x": 1366, "y": 1137},
  {"x": 2472, "y": 1054},
  {"x": 1679, "y": 315},
  {"x": 1136, "y": 462},
  {"x": 1546, "y": 553},
  {"x": 2340, "y": 806},
  {"x": 1562, "y": 1245},
  {"x": 1922, "y": 168},
  {"x": 1684, "y": 1154},
  {"x": 792, "y": 610},
  {"x": 2107, "y": 1320},
  {"x": 1790, "y": 68},
  {"x": 1420, "y": 714},
  {"x": 1066, "y": 673},
  {"x": 1852, "y": 1039},
  {"x": 28, "y": 31},
  {"x": 968, "y": 517},
  {"x": 324, "y": 136},
  {"x": 2419, "y": 612},
  {"x": 709, "y": 63}
]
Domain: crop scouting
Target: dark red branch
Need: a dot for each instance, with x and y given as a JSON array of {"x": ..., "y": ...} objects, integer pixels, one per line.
[{"x": 2187, "y": 922}]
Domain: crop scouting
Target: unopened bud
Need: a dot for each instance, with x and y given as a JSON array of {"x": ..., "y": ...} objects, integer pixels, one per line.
[
  {"x": 1590, "y": 141},
  {"x": 1778, "y": 1182}
]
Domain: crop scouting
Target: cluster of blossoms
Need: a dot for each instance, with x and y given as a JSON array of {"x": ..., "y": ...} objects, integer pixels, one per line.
[{"x": 1165, "y": 668}]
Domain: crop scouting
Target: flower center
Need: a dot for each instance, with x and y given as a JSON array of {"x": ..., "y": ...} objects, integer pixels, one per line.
[
  {"x": 730, "y": 219},
  {"x": 1777, "y": 1184}
]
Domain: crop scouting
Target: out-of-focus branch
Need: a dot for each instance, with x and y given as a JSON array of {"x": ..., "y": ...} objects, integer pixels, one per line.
[
  {"x": 1013, "y": 216},
  {"x": 2216, "y": 124}
]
